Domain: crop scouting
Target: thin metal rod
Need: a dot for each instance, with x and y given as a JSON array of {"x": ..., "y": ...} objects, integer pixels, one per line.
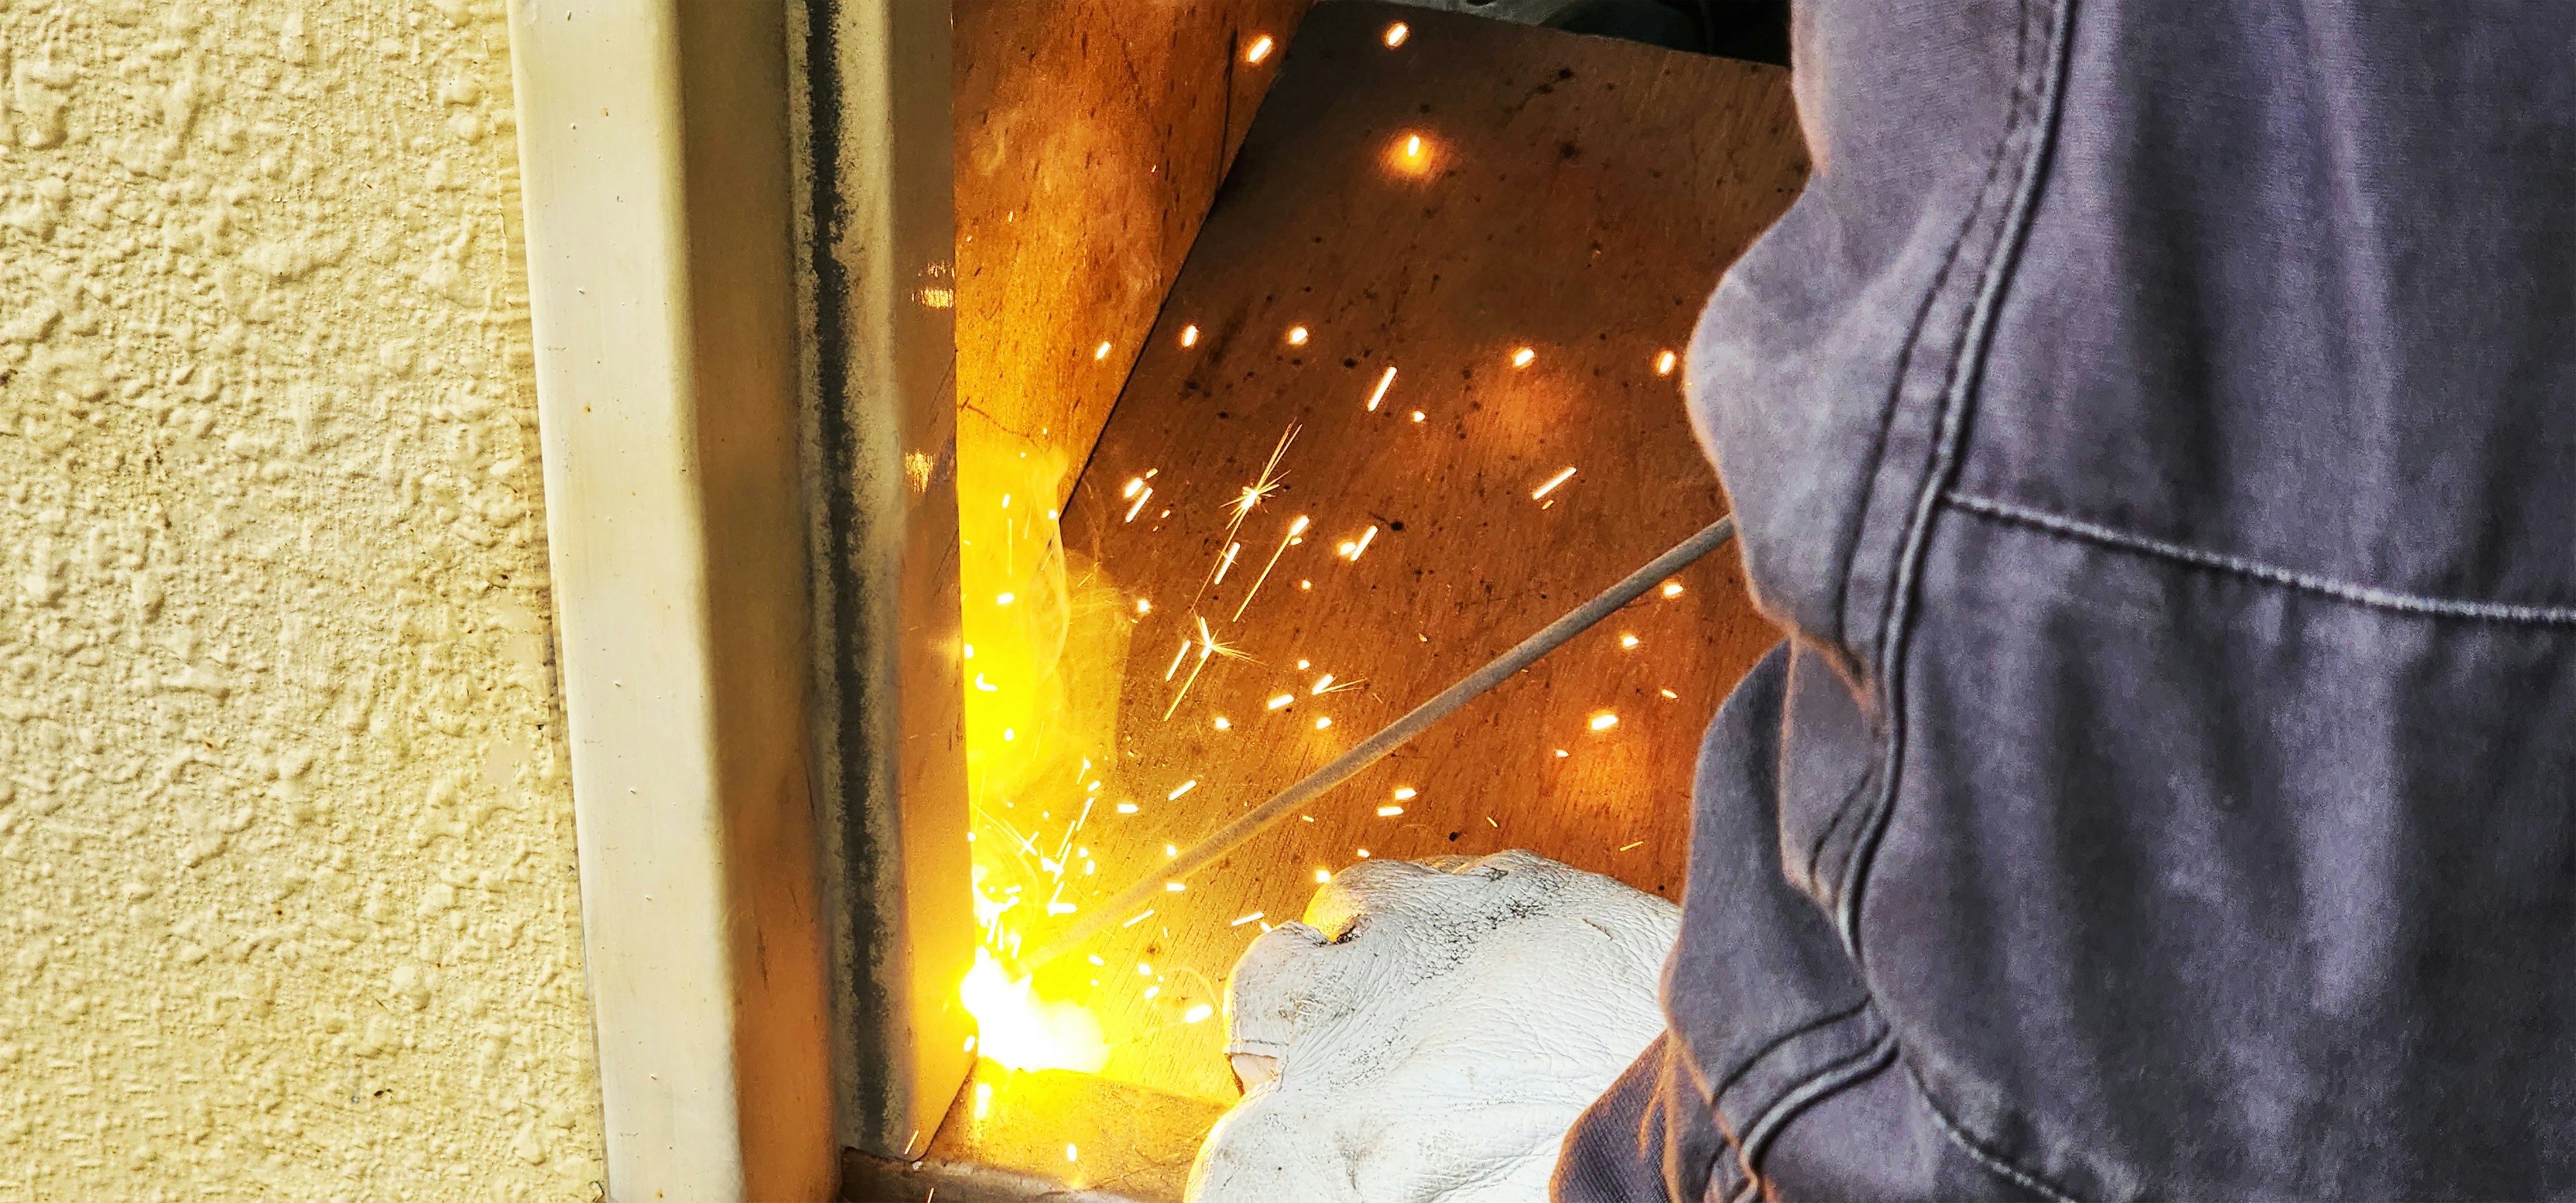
[{"x": 1395, "y": 735}]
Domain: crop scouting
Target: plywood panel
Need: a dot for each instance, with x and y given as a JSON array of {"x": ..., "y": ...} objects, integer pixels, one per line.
[
  {"x": 1524, "y": 268},
  {"x": 1090, "y": 135}
]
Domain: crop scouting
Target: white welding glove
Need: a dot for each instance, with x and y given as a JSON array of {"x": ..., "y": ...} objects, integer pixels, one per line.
[{"x": 1431, "y": 1030}]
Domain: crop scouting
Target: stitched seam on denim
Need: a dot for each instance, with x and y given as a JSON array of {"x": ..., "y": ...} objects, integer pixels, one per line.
[
  {"x": 1842, "y": 811},
  {"x": 1951, "y": 438},
  {"x": 1967, "y": 371},
  {"x": 1778, "y": 1042},
  {"x": 1977, "y": 208},
  {"x": 1995, "y": 1163},
  {"x": 1747, "y": 1141},
  {"x": 2415, "y": 604},
  {"x": 1922, "y": 315},
  {"x": 1817, "y": 1087}
]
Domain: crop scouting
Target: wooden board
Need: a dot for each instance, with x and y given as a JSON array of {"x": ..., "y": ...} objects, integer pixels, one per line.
[
  {"x": 1090, "y": 135},
  {"x": 1570, "y": 196}
]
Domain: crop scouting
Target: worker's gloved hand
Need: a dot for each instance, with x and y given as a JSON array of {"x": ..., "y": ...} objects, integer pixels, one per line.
[{"x": 1431, "y": 1030}]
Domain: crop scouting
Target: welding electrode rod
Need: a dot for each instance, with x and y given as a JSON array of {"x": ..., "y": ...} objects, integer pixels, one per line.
[{"x": 1396, "y": 734}]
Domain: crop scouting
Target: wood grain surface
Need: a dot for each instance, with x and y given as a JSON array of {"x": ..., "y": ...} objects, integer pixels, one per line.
[
  {"x": 1090, "y": 135},
  {"x": 1525, "y": 269}
]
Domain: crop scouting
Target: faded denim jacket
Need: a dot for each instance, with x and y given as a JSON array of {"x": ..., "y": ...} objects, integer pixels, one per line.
[{"x": 2155, "y": 429}]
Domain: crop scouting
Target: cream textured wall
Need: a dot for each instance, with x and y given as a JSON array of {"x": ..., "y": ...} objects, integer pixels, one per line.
[{"x": 287, "y": 905}]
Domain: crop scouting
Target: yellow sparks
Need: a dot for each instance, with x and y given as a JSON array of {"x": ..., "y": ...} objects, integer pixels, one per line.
[
  {"x": 1303, "y": 665},
  {"x": 1177, "y": 657},
  {"x": 1101, "y": 351},
  {"x": 1259, "y": 50},
  {"x": 1363, "y": 854},
  {"x": 1251, "y": 918},
  {"x": 1396, "y": 33},
  {"x": 1140, "y": 918},
  {"x": 1296, "y": 336},
  {"x": 1222, "y": 724},
  {"x": 1141, "y": 499},
  {"x": 970, "y": 651},
  {"x": 1668, "y": 693},
  {"x": 1604, "y": 721},
  {"x": 1135, "y": 485},
  {"x": 983, "y": 1099},
  {"x": 1627, "y": 640},
  {"x": 1262, "y": 486},
  {"x": 1004, "y": 599},
  {"x": 1174, "y": 886},
  {"x": 1143, "y": 606},
  {"x": 984, "y": 686},
  {"x": 1189, "y": 336},
  {"x": 1322, "y": 683},
  {"x": 1208, "y": 647},
  {"x": 1126, "y": 808},
  {"x": 1281, "y": 702},
  {"x": 1197, "y": 1013},
  {"x": 1389, "y": 812},
  {"x": 1323, "y": 877},
  {"x": 1380, "y": 394},
  {"x": 1562, "y": 753},
  {"x": 1352, "y": 551},
  {"x": 1630, "y": 844},
  {"x": 1666, "y": 362},
  {"x": 1322, "y": 723},
  {"x": 1009, "y": 734},
  {"x": 1417, "y": 415},
  {"x": 1244, "y": 503},
  {"x": 1522, "y": 358},
  {"x": 1405, "y": 793},
  {"x": 1170, "y": 851},
  {"x": 1193, "y": 783},
  {"x": 1151, "y": 991},
  {"x": 1071, "y": 1153},
  {"x": 1413, "y": 146},
  {"x": 1306, "y": 585},
  {"x": 1672, "y": 588},
  {"x": 1294, "y": 530},
  {"x": 1552, "y": 482}
]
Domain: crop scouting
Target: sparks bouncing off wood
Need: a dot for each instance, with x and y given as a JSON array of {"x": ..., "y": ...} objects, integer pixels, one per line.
[{"x": 1395, "y": 735}]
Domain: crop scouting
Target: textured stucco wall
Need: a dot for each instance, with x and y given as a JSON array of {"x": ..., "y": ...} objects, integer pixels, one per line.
[{"x": 287, "y": 905}]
